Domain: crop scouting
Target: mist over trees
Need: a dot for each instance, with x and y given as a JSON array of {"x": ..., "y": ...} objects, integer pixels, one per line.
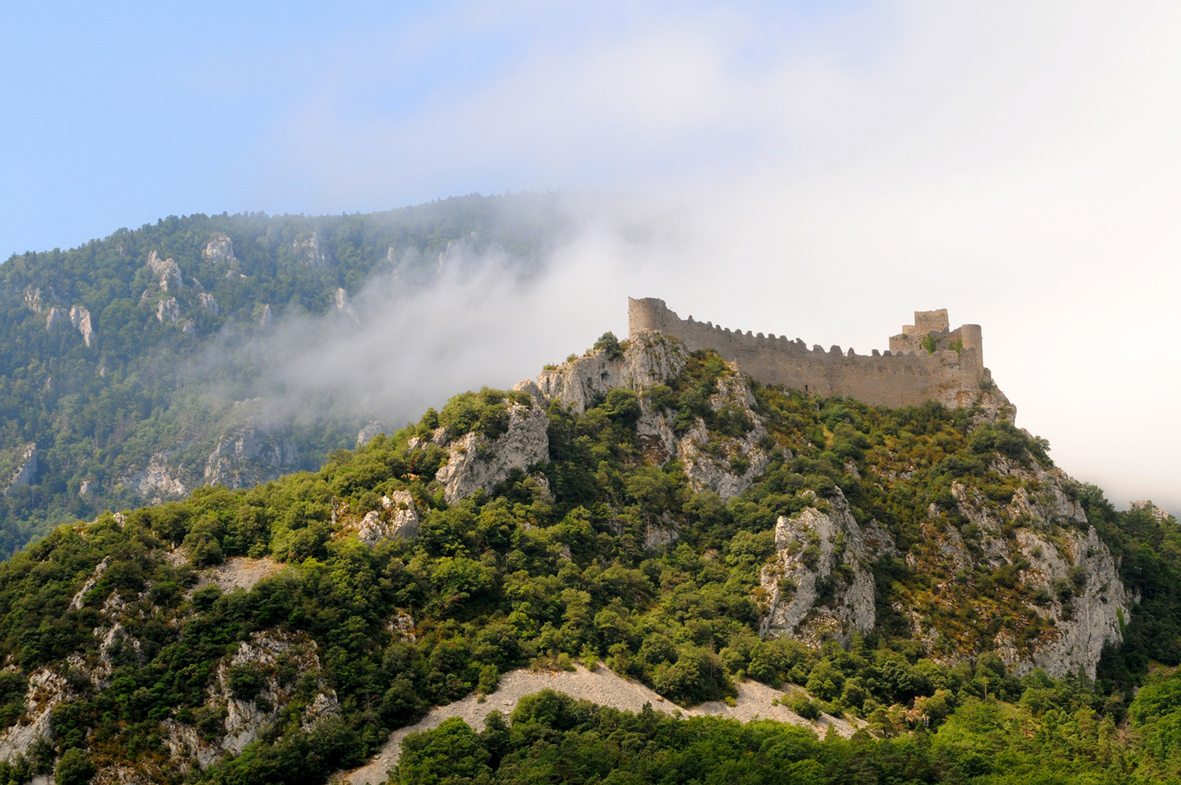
[{"x": 131, "y": 413}]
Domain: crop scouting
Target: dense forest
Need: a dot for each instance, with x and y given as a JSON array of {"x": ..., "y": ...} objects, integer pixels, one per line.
[
  {"x": 99, "y": 379},
  {"x": 554, "y": 563}
]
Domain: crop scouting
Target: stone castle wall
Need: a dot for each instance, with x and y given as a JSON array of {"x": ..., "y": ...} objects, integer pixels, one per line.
[{"x": 907, "y": 375}]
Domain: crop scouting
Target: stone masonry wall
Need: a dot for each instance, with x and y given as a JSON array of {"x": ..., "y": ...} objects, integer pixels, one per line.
[{"x": 908, "y": 377}]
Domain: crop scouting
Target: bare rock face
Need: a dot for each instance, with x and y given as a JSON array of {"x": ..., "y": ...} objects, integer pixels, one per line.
[
  {"x": 249, "y": 454},
  {"x": 167, "y": 310},
  {"x": 208, "y": 303},
  {"x": 734, "y": 463},
  {"x": 27, "y": 472},
  {"x": 80, "y": 319},
  {"x": 1157, "y": 513},
  {"x": 264, "y": 653},
  {"x": 726, "y": 465},
  {"x": 477, "y": 462},
  {"x": 397, "y": 520},
  {"x": 166, "y": 272},
  {"x": 156, "y": 480},
  {"x": 819, "y": 582},
  {"x": 33, "y": 299},
  {"x": 310, "y": 250},
  {"x": 371, "y": 429},
  {"x": 1062, "y": 561},
  {"x": 46, "y": 690},
  {"x": 340, "y": 301},
  {"x": 648, "y": 361},
  {"x": 1098, "y": 608},
  {"x": 57, "y": 319},
  {"x": 220, "y": 248}
]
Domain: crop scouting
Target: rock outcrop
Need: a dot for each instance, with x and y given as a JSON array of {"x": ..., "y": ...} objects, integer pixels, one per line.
[
  {"x": 1157, "y": 513},
  {"x": 167, "y": 310},
  {"x": 1041, "y": 539},
  {"x": 475, "y": 461},
  {"x": 165, "y": 271},
  {"x": 80, "y": 319},
  {"x": 340, "y": 302},
  {"x": 819, "y": 582},
  {"x": 398, "y": 520},
  {"x": 33, "y": 300},
  {"x": 156, "y": 480},
  {"x": 371, "y": 429},
  {"x": 248, "y": 454},
  {"x": 648, "y": 361},
  {"x": 726, "y": 465},
  {"x": 77, "y": 318},
  {"x": 220, "y": 248},
  {"x": 246, "y": 716},
  {"x": 57, "y": 319},
  {"x": 208, "y": 303},
  {"x": 253, "y": 688},
  {"x": 27, "y": 473},
  {"x": 46, "y": 690},
  {"x": 309, "y": 249}
]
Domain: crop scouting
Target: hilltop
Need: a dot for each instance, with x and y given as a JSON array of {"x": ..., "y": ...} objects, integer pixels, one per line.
[{"x": 924, "y": 574}]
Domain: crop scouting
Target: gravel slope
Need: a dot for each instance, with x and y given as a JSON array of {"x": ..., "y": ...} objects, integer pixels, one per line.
[{"x": 601, "y": 686}]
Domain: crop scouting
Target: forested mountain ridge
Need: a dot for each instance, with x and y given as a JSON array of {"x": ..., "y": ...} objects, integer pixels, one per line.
[
  {"x": 643, "y": 509},
  {"x": 101, "y": 403}
]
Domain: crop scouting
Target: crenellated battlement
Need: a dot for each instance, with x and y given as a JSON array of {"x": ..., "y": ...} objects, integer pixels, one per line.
[{"x": 927, "y": 361}]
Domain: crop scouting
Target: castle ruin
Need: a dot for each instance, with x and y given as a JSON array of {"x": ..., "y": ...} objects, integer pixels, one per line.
[{"x": 926, "y": 361}]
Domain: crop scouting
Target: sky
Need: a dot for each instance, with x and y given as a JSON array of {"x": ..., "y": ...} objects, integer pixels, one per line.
[{"x": 832, "y": 167}]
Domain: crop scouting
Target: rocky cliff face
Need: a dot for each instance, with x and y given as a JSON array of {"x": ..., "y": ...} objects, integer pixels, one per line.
[
  {"x": 726, "y": 465},
  {"x": 398, "y": 519},
  {"x": 1061, "y": 562},
  {"x": 27, "y": 473},
  {"x": 165, "y": 271},
  {"x": 310, "y": 250},
  {"x": 158, "y": 480},
  {"x": 820, "y": 582},
  {"x": 476, "y": 462},
  {"x": 80, "y": 319},
  {"x": 249, "y": 454},
  {"x": 220, "y": 248},
  {"x": 647, "y": 362}
]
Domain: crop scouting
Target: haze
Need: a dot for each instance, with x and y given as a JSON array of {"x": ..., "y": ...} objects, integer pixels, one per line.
[{"x": 828, "y": 169}]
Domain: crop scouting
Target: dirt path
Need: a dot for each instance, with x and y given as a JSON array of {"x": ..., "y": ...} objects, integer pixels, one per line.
[{"x": 601, "y": 686}]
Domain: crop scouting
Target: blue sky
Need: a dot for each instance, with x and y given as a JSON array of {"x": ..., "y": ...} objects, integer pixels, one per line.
[
  {"x": 116, "y": 114},
  {"x": 841, "y": 164}
]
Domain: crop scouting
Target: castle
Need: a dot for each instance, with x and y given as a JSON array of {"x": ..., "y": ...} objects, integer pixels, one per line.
[{"x": 927, "y": 361}]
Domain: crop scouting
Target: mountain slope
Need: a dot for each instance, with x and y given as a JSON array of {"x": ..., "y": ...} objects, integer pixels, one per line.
[
  {"x": 640, "y": 506},
  {"x": 112, "y": 393}
]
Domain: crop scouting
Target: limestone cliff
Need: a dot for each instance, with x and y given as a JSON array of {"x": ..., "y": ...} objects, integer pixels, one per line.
[
  {"x": 645, "y": 363},
  {"x": 1061, "y": 562},
  {"x": 248, "y": 454},
  {"x": 158, "y": 480},
  {"x": 27, "y": 471},
  {"x": 724, "y": 464},
  {"x": 474, "y": 461},
  {"x": 820, "y": 582},
  {"x": 165, "y": 271},
  {"x": 220, "y": 248}
]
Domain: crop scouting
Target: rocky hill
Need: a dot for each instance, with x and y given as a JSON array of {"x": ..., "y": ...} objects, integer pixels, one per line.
[{"x": 923, "y": 578}]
